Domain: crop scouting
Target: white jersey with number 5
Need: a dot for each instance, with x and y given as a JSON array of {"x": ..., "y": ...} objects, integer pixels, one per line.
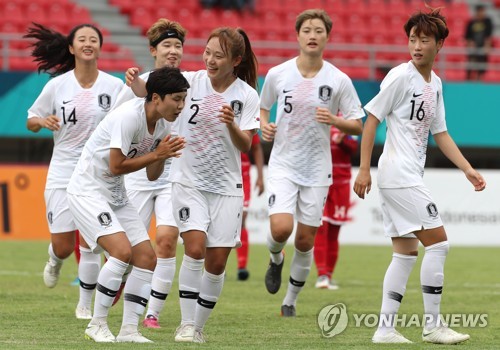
[
  {"x": 301, "y": 150},
  {"x": 79, "y": 111},
  {"x": 411, "y": 107},
  {"x": 124, "y": 128},
  {"x": 210, "y": 162}
]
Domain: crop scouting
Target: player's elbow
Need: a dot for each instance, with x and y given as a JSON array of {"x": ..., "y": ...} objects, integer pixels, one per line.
[{"x": 116, "y": 169}]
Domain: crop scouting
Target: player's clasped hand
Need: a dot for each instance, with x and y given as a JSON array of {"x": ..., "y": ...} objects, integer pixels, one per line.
[
  {"x": 170, "y": 147},
  {"x": 51, "y": 123},
  {"x": 226, "y": 114}
]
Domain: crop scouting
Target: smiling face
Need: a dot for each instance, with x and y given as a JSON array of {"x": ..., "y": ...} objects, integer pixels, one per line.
[
  {"x": 86, "y": 45},
  {"x": 220, "y": 65},
  {"x": 167, "y": 53},
  {"x": 423, "y": 48},
  {"x": 312, "y": 37},
  {"x": 170, "y": 107}
]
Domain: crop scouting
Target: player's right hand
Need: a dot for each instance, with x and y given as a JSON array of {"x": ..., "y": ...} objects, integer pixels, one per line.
[
  {"x": 170, "y": 147},
  {"x": 130, "y": 75},
  {"x": 268, "y": 132}
]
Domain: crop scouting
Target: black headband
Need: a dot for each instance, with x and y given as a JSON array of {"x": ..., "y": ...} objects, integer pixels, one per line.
[{"x": 167, "y": 35}]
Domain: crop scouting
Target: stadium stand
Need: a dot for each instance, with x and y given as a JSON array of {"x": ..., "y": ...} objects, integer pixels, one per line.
[
  {"x": 60, "y": 15},
  {"x": 367, "y": 36}
]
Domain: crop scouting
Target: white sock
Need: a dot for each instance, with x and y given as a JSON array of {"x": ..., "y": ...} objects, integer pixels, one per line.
[
  {"x": 211, "y": 287},
  {"x": 431, "y": 279},
  {"x": 54, "y": 260},
  {"x": 108, "y": 283},
  {"x": 189, "y": 287},
  {"x": 135, "y": 296},
  {"x": 299, "y": 270},
  {"x": 88, "y": 270},
  {"x": 395, "y": 280},
  {"x": 275, "y": 248},
  {"x": 160, "y": 286}
]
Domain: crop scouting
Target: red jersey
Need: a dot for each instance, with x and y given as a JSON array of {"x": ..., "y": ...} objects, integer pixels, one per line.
[{"x": 341, "y": 155}]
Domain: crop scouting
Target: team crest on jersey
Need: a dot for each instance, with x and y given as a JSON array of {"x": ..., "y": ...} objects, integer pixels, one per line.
[
  {"x": 104, "y": 219},
  {"x": 325, "y": 93},
  {"x": 272, "y": 200},
  {"x": 104, "y": 101},
  {"x": 184, "y": 214},
  {"x": 432, "y": 210},
  {"x": 237, "y": 107},
  {"x": 50, "y": 217}
]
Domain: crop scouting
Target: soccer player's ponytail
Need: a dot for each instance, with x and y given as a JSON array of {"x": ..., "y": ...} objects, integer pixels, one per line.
[{"x": 51, "y": 49}]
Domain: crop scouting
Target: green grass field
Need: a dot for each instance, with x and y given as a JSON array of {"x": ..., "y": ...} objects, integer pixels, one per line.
[{"x": 246, "y": 316}]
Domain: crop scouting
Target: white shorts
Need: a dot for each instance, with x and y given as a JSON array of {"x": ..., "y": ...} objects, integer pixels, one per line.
[
  {"x": 217, "y": 215},
  {"x": 95, "y": 217},
  {"x": 159, "y": 201},
  {"x": 406, "y": 210},
  {"x": 57, "y": 211},
  {"x": 304, "y": 202}
]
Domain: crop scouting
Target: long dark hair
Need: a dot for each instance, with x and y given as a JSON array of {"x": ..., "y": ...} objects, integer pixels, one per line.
[
  {"x": 51, "y": 49},
  {"x": 236, "y": 42}
]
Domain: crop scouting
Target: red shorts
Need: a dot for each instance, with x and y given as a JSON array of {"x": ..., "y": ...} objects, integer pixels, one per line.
[
  {"x": 337, "y": 204},
  {"x": 245, "y": 173}
]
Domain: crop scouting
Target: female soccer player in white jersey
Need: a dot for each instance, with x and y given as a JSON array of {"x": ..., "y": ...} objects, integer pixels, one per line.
[
  {"x": 207, "y": 191},
  {"x": 310, "y": 92},
  {"x": 411, "y": 101},
  {"x": 131, "y": 137},
  {"x": 70, "y": 105},
  {"x": 166, "y": 39}
]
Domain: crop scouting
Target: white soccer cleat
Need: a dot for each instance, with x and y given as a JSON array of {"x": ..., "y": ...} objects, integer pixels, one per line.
[
  {"x": 199, "y": 337},
  {"x": 393, "y": 337},
  {"x": 323, "y": 282},
  {"x": 184, "y": 333},
  {"x": 83, "y": 313},
  {"x": 99, "y": 333},
  {"x": 51, "y": 273},
  {"x": 135, "y": 337},
  {"x": 443, "y": 335}
]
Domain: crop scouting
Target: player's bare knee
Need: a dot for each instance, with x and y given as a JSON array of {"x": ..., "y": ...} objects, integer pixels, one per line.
[{"x": 166, "y": 246}]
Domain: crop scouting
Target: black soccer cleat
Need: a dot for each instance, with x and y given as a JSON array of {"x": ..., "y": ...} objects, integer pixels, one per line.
[
  {"x": 273, "y": 277},
  {"x": 288, "y": 311}
]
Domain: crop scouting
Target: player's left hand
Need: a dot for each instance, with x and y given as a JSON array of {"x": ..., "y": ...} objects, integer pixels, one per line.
[
  {"x": 324, "y": 116},
  {"x": 226, "y": 115},
  {"x": 476, "y": 179}
]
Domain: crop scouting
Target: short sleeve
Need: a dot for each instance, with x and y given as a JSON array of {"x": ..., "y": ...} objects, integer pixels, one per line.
[
  {"x": 391, "y": 92},
  {"x": 268, "y": 93},
  {"x": 44, "y": 104}
]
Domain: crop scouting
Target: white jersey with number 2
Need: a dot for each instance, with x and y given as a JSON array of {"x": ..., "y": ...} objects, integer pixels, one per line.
[{"x": 210, "y": 162}]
